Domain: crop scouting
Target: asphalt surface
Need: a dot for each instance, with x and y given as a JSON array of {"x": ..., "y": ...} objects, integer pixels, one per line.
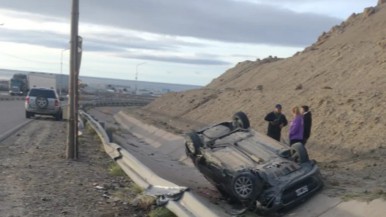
[{"x": 12, "y": 114}]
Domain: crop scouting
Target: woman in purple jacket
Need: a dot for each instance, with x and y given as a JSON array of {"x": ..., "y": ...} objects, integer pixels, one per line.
[{"x": 296, "y": 127}]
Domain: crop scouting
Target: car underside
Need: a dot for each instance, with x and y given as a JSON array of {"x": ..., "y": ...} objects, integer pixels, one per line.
[{"x": 251, "y": 168}]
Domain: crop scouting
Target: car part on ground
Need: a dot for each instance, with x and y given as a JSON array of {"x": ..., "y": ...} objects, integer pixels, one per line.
[
  {"x": 251, "y": 168},
  {"x": 43, "y": 101}
]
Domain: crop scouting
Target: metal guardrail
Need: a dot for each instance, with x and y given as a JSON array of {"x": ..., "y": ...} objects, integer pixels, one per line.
[
  {"x": 113, "y": 102},
  {"x": 11, "y": 98},
  {"x": 177, "y": 199}
]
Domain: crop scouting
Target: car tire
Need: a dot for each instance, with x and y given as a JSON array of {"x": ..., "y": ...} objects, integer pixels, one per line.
[
  {"x": 41, "y": 102},
  {"x": 193, "y": 144},
  {"x": 246, "y": 186},
  {"x": 240, "y": 120},
  {"x": 27, "y": 114},
  {"x": 299, "y": 153},
  {"x": 59, "y": 116}
]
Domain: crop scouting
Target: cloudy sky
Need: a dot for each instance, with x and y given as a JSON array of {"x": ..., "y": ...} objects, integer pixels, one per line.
[{"x": 173, "y": 41}]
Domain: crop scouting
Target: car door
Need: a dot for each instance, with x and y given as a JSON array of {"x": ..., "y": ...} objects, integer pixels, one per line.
[{"x": 211, "y": 166}]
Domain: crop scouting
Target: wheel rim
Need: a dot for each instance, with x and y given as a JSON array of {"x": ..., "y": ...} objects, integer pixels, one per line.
[
  {"x": 295, "y": 155},
  {"x": 41, "y": 103},
  {"x": 244, "y": 186},
  {"x": 190, "y": 146},
  {"x": 237, "y": 123}
]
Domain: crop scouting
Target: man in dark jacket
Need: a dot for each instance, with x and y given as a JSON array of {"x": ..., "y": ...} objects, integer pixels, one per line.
[
  {"x": 307, "y": 123},
  {"x": 276, "y": 121}
]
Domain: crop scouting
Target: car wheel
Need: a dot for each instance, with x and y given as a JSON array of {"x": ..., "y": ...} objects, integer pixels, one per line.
[
  {"x": 193, "y": 143},
  {"x": 246, "y": 186},
  {"x": 299, "y": 153},
  {"x": 240, "y": 120},
  {"x": 41, "y": 102},
  {"x": 27, "y": 114},
  {"x": 58, "y": 116}
]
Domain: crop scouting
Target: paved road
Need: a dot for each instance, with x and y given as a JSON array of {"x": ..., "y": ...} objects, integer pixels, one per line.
[{"x": 12, "y": 114}]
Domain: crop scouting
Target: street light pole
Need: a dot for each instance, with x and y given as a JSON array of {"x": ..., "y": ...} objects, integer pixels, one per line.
[
  {"x": 136, "y": 76},
  {"x": 61, "y": 71}
]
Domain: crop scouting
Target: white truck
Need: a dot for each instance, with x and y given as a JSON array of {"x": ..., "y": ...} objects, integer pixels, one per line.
[{"x": 36, "y": 79}]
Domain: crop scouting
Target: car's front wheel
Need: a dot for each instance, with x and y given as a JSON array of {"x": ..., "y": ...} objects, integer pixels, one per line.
[
  {"x": 28, "y": 114},
  {"x": 246, "y": 186}
]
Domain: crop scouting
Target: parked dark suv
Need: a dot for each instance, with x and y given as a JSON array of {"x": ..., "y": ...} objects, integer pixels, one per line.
[
  {"x": 252, "y": 169},
  {"x": 43, "y": 101}
]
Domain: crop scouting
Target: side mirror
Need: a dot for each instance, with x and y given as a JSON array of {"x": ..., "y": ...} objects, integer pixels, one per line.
[{"x": 61, "y": 98}]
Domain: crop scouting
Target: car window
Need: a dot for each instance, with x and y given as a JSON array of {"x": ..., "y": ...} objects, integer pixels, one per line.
[{"x": 42, "y": 93}]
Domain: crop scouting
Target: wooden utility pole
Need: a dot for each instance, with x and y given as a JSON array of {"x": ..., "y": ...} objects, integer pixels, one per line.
[{"x": 72, "y": 145}]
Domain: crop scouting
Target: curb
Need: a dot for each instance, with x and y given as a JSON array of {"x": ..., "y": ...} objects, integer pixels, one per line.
[{"x": 12, "y": 131}]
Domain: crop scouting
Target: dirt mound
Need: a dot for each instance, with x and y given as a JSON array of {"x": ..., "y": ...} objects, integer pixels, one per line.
[{"x": 341, "y": 77}]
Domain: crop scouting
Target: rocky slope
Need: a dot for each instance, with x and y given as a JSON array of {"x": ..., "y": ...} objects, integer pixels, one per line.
[{"x": 342, "y": 77}]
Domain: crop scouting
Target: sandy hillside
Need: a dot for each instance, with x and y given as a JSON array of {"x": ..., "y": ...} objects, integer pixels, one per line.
[{"x": 342, "y": 77}]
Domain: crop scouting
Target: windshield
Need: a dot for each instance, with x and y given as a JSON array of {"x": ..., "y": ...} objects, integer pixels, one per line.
[{"x": 15, "y": 82}]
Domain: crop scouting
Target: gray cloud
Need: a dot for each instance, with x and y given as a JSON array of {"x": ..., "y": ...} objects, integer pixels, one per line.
[
  {"x": 176, "y": 59},
  {"x": 102, "y": 42},
  {"x": 113, "y": 43},
  {"x": 42, "y": 38},
  {"x": 223, "y": 20},
  {"x": 133, "y": 42}
]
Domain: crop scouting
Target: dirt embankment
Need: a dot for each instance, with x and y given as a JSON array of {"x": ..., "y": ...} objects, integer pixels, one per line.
[
  {"x": 341, "y": 77},
  {"x": 37, "y": 180}
]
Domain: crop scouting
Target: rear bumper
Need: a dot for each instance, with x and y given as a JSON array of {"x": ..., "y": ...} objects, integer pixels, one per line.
[{"x": 44, "y": 111}]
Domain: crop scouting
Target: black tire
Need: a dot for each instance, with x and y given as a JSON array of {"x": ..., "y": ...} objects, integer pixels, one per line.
[
  {"x": 27, "y": 114},
  {"x": 59, "y": 116},
  {"x": 41, "y": 102},
  {"x": 240, "y": 120},
  {"x": 246, "y": 186},
  {"x": 193, "y": 144},
  {"x": 299, "y": 153}
]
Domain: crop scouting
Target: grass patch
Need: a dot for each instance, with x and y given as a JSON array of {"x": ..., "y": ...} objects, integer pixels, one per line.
[
  {"x": 115, "y": 170},
  {"x": 144, "y": 202},
  {"x": 136, "y": 189},
  {"x": 365, "y": 195},
  {"x": 90, "y": 130},
  {"x": 161, "y": 212}
]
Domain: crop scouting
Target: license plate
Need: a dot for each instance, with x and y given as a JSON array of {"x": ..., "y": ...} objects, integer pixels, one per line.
[{"x": 301, "y": 191}]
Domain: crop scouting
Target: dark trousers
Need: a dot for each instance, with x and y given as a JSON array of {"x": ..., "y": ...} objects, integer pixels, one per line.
[
  {"x": 275, "y": 136},
  {"x": 293, "y": 141}
]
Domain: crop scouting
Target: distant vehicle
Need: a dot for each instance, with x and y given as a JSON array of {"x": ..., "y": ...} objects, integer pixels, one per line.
[
  {"x": 18, "y": 85},
  {"x": 43, "y": 101},
  {"x": 44, "y": 80},
  {"x": 251, "y": 168}
]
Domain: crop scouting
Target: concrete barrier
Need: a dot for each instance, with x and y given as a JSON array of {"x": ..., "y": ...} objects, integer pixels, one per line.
[
  {"x": 185, "y": 204},
  {"x": 11, "y": 98}
]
